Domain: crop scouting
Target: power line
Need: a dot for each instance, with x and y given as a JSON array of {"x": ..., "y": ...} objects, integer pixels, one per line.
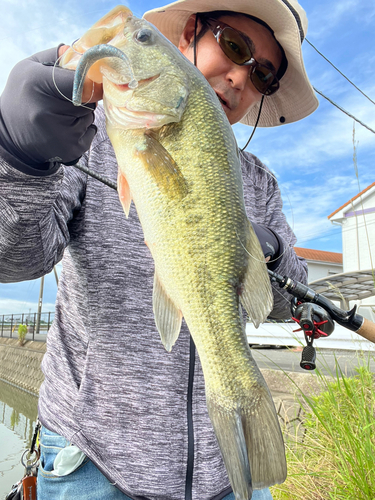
[
  {"x": 344, "y": 111},
  {"x": 346, "y": 78},
  {"x": 342, "y": 74}
]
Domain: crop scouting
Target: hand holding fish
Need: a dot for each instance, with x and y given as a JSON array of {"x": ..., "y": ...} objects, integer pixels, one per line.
[{"x": 39, "y": 125}]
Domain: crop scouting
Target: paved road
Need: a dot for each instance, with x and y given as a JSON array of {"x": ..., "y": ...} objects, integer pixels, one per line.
[
  {"x": 326, "y": 359},
  {"x": 289, "y": 360}
]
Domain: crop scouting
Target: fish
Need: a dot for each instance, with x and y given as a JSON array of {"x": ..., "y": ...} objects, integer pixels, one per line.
[{"x": 179, "y": 164}]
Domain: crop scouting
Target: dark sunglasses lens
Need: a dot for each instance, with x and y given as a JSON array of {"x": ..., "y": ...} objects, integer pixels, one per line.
[
  {"x": 234, "y": 46},
  {"x": 264, "y": 80}
]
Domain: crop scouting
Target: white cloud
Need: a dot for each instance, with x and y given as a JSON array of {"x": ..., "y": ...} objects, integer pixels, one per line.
[
  {"x": 325, "y": 19},
  {"x": 12, "y": 306},
  {"x": 30, "y": 26},
  {"x": 311, "y": 206},
  {"x": 21, "y": 296}
]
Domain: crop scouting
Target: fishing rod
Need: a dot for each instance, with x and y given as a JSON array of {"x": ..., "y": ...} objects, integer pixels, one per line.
[
  {"x": 316, "y": 314},
  {"x": 313, "y": 312}
]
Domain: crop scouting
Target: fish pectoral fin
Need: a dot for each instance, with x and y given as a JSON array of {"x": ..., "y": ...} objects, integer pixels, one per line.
[
  {"x": 256, "y": 295},
  {"x": 168, "y": 317},
  {"x": 160, "y": 164},
  {"x": 124, "y": 193},
  {"x": 251, "y": 443}
]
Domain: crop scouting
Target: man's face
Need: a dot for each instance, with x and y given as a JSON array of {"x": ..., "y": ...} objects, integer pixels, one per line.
[{"x": 230, "y": 81}]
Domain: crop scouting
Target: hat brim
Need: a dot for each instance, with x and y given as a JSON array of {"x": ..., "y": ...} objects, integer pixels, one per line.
[{"x": 295, "y": 98}]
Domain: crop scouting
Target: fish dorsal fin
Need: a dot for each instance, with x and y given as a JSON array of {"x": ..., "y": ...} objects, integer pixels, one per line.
[
  {"x": 168, "y": 317},
  {"x": 256, "y": 296},
  {"x": 162, "y": 167},
  {"x": 124, "y": 193}
]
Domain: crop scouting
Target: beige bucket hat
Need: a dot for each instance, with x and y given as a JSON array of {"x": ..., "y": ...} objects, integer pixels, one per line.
[{"x": 295, "y": 98}]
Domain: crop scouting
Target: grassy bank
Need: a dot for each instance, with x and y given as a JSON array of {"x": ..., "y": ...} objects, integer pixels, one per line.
[{"x": 335, "y": 459}]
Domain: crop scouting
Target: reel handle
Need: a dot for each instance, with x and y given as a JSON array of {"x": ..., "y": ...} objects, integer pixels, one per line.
[{"x": 308, "y": 358}]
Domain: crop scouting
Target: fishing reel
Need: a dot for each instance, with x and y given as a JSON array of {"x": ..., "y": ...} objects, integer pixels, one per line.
[
  {"x": 315, "y": 322},
  {"x": 314, "y": 312}
]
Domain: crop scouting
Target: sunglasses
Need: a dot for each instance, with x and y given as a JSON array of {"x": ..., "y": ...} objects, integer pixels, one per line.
[{"x": 237, "y": 49}]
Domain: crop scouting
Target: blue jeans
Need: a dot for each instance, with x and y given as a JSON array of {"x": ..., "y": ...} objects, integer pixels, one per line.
[{"x": 86, "y": 482}]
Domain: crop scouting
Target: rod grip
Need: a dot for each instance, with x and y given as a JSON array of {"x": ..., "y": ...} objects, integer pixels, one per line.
[{"x": 367, "y": 330}]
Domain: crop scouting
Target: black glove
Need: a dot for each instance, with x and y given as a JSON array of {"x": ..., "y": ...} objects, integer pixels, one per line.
[
  {"x": 38, "y": 126},
  {"x": 271, "y": 245}
]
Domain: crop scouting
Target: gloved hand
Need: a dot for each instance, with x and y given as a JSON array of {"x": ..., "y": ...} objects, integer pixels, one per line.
[
  {"x": 37, "y": 124},
  {"x": 271, "y": 245}
]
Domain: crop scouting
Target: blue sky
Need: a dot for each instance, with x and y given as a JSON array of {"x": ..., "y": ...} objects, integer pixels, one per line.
[{"x": 312, "y": 159}]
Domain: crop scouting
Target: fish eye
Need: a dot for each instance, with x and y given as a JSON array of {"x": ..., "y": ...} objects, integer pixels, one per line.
[{"x": 143, "y": 35}]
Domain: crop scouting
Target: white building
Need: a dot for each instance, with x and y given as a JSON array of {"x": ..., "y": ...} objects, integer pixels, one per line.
[
  {"x": 347, "y": 283},
  {"x": 357, "y": 220}
]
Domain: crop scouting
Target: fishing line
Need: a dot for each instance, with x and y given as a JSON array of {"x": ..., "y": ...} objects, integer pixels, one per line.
[
  {"x": 83, "y": 105},
  {"x": 246, "y": 250},
  {"x": 252, "y": 256},
  {"x": 262, "y": 262},
  {"x": 277, "y": 289},
  {"x": 75, "y": 50}
]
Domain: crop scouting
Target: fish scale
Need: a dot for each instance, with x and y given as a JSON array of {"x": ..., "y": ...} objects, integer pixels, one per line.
[{"x": 178, "y": 163}]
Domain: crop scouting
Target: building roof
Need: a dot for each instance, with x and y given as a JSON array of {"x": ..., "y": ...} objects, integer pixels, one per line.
[
  {"x": 352, "y": 199},
  {"x": 319, "y": 255}
]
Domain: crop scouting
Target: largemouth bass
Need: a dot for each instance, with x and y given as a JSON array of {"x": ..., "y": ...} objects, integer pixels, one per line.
[{"x": 178, "y": 162}]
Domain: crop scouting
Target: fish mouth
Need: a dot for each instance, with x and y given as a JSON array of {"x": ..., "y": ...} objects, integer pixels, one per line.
[{"x": 123, "y": 87}]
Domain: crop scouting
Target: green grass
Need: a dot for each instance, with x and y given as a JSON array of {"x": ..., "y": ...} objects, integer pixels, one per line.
[{"x": 336, "y": 458}]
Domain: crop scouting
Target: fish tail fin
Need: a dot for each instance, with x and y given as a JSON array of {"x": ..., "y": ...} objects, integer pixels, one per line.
[
  {"x": 251, "y": 444},
  {"x": 265, "y": 444},
  {"x": 230, "y": 436}
]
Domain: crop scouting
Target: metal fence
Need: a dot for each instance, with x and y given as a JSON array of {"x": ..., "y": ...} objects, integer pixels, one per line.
[{"x": 37, "y": 324}]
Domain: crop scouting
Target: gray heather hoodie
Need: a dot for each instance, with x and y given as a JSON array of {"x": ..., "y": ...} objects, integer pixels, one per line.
[{"x": 110, "y": 387}]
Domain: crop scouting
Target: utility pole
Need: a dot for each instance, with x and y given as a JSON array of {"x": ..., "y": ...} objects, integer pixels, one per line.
[
  {"x": 56, "y": 277},
  {"x": 40, "y": 301}
]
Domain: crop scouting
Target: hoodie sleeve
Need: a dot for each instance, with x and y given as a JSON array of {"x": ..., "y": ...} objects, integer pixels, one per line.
[
  {"x": 36, "y": 209},
  {"x": 289, "y": 263}
]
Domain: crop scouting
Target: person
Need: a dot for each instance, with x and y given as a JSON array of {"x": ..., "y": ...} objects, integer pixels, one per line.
[{"x": 121, "y": 418}]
